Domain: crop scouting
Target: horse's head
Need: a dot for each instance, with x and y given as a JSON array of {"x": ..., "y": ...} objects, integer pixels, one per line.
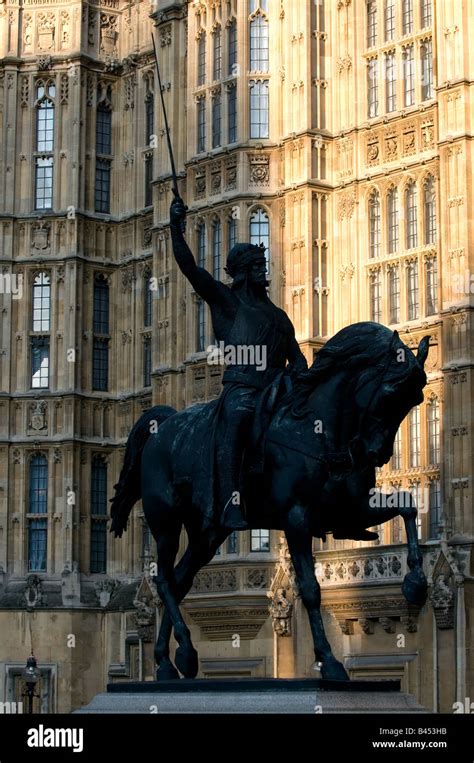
[{"x": 384, "y": 393}]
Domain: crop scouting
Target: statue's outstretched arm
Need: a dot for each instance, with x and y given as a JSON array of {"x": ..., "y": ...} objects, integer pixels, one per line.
[{"x": 202, "y": 282}]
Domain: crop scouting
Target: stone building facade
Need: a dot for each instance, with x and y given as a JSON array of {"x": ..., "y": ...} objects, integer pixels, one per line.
[{"x": 338, "y": 133}]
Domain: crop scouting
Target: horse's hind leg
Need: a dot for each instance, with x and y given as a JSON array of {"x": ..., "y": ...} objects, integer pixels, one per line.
[
  {"x": 186, "y": 657},
  {"x": 197, "y": 555}
]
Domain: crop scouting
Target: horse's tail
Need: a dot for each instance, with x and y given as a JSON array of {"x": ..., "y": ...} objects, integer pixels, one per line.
[{"x": 128, "y": 488}]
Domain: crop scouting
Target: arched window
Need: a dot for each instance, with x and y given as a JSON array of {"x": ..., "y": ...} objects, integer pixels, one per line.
[
  {"x": 426, "y": 13},
  {"x": 103, "y": 133},
  {"x": 149, "y": 117},
  {"x": 414, "y": 429},
  {"x": 389, "y": 17},
  {"x": 413, "y": 291},
  {"x": 201, "y": 305},
  {"x": 37, "y": 509},
  {"x": 41, "y": 323},
  {"x": 407, "y": 16},
  {"x": 217, "y": 54},
  {"x": 232, "y": 47},
  {"x": 374, "y": 225},
  {"x": 41, "y": 302},
  {"x": 426, "y": 55},
  {"x": 411, "y": 216},
  {"x": 148, "y": 300},
  {"x": 372, "y": 88},
  {"x": 100, "y": 352},
  {"x": 99, "y": 514},
  {"x": 45, "y": 120},
  {"x": 371, "y": 23},
  {"x": 392, "y": 221},
  {"x": 231, "y": 112},
  {"x": 429, "y": 206},
  {"x": 259, "y": 109},
  {"x": 434, "y": 508},
  {"x": 101, "y": 305},
  {"x": 259, "y": 58},
  {"x": 434, "y": 441},
  {"x": 201, "y": 125},
  {"x": 201, "y": 70},
  {"x": 259, "y": 230},
  {"x": 376, "y": 296},
  {"x": 216, "y": 249},
  {"x": 231, "y": 232},
  {"x": 394, "y": 294},
  {"x": 216, "y": 120}
]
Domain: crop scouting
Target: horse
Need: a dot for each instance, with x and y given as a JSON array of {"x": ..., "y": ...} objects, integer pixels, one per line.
[{"x": 323, "y": 442}]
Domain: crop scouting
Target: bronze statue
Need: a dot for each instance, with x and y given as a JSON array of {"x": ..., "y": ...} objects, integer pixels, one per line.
[{"x": 321, "y": 441}]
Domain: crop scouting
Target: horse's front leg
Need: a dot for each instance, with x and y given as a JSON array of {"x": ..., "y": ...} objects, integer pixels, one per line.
[
  {"x": 415, "y": 585},
  {"x": 298, "y": 535}
]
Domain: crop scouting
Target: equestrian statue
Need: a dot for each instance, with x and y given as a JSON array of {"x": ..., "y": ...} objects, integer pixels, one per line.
[{"x": 284, "y": 448}]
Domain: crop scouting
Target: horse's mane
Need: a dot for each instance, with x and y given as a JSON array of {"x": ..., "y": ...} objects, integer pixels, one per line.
[{"x": 360, "y": 345}]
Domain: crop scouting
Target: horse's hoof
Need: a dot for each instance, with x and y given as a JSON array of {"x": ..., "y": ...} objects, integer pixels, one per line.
[
  {"x": 167, "y": 673},
  {"x": 334, "y": 670},
  {"x": 415, "y": 588},
  {"x": 187, "y": 662}
]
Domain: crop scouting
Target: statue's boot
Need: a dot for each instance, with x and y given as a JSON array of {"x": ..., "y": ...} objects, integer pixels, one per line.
[{"x": 233, "y": 517}]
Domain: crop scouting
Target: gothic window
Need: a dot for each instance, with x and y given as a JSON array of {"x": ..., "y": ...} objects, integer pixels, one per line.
[
  {"x": 45, "y": 121},
  {"x": 99, "y": 515},
  {"x": 37, "y": 513},
  {"x": 259, "y": 109}
]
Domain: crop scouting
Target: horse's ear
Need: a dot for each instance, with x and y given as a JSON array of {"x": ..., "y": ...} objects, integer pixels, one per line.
[{"x": 423, "y": 348}]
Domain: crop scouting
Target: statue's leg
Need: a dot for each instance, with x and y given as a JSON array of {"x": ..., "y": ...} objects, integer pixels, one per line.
[
  {"x": 199, "y": 552},
  {"x": 298, "y": 535},
  {"x": 402, "y": 504}
]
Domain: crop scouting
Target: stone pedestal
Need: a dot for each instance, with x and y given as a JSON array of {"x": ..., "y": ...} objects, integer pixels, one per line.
[{"x": 259, "y": 696}]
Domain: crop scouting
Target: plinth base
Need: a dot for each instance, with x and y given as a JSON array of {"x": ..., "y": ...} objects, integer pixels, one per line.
[{"x": 254, "y": 696}]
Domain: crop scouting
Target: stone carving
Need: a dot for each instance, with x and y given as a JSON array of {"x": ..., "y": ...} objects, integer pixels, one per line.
[
  {"x": 46, "y": 31},
  {"x": 200, "y": 184},
  {"x": 108, "y": 34},
  {"x": 231, "y": 175},
  {"x": 145, "y": 602},
  {"x": 257, "y": 578},
  {"x": 391, "y": 147},
  {"x": 38, "y": 420},
  {"x": 442, "y": 601},
  {"x": 215, "y": 580},
  {"x": 64, "y": 89},
  {"x": 280, "y": 611},
  {"x": 24, "y": 91},
  {"x": 427, "y": 134},
  {"x": 165, "y": 36},
  {"x": 65, "y": 29},
  {"x": 41, "y": 236},
  {"x": 147, "y": 236},
  {"x": 372, "y": 152},
  {"x": 45, "y": 62},
  {"x": 27, "y": 30},
  {"x": 92, "y": 17},
  {"x": 105, "y": 589},
  {"x": 259, "y": 169},
  {"x": 33, "y": 594},
  {"x": 361, "y": 568},
  {"x": 345, "y": 206}
]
